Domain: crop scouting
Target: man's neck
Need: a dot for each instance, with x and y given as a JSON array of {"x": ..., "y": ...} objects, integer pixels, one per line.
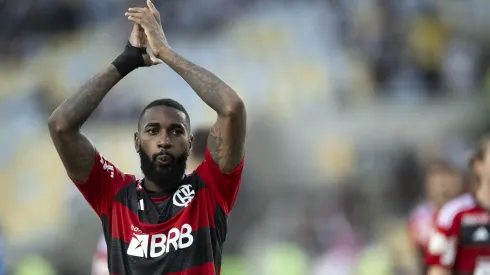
[
  {"x": 153, "y": 187},
  {"x": 483, "y": 194},
  {"x": 166, "y": 187}
]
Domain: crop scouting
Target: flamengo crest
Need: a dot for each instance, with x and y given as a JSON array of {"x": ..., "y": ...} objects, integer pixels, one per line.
[{"x": 184, "y": 195}]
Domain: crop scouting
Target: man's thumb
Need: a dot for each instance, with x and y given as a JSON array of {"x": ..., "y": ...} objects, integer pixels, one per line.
[{"x": 135, "y": 27}]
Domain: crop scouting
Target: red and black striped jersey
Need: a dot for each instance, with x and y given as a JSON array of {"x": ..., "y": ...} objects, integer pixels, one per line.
[
  {"x": 183, "y": 234},
  {"x": 461, "y": 242}
]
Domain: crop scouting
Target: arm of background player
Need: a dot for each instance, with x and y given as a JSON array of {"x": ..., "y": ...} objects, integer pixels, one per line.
[
  {"x": 227, "y": 136},
  {"x": 443, "y": 244},
  {"x": 75, "y": 150},
  {"x": 437, "y": 270}
]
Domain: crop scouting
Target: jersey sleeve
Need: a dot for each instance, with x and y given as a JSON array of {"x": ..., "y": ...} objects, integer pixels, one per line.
[
  {"x": 102, "y": 185},
  {"x": 443, "y": 244},
  {"x": 224, "y": 185}
]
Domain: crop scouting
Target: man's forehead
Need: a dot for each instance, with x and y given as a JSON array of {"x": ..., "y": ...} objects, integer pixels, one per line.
[{"x": 163, "y": 114}]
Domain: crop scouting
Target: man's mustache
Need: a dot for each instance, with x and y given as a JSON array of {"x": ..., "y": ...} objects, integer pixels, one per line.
[{"x": 163, "y": 153}]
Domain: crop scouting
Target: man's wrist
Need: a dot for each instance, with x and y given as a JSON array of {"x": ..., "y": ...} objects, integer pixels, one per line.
[
  {"x": 130, "y": 59},
  {"x": 163, "y": 53}
]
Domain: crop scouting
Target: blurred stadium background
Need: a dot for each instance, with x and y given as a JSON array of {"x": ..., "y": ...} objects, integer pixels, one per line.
[{"x": 347, "y": 101}]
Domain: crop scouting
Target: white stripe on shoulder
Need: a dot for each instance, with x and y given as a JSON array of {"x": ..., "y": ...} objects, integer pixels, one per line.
[{"x": 449, "y": 211}]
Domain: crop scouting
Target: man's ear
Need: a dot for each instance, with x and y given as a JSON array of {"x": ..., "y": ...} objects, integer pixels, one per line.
[
  {"x": 137, "y": 142},
  {"x": 191, "y": 139}
]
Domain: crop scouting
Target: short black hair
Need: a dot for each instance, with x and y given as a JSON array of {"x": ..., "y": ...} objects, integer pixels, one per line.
[
  {"x": 169, "y": 103},
  {"x": 199, "y": 143}
]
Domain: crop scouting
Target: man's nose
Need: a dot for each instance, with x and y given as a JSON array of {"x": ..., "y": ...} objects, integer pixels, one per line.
[{"x": 164, "y": 142}]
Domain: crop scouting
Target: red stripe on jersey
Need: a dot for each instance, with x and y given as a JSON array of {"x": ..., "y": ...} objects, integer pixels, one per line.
[
  {"x": 224, "y": 185},
  {"x": 207, "y": 269},
  {"x": 159, "y": 199},
  {"x": 127, "y": 222},
  {"x": 102, "y": 185}
]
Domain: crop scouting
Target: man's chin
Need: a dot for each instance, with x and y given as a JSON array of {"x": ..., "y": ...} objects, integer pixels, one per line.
[{"x": 163, "y": 170}]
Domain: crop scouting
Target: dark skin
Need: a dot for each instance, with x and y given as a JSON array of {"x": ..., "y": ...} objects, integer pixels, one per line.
[
  {"x": 227, "y": 136},
  {"x": 162, "y": 128},
  {"x": 75, "y": 150}
]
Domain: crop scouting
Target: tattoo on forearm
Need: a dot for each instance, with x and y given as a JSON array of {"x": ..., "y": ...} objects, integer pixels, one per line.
[
  {"x": 226, "y": 138},
  {"x": 210, "y": 88},
  {"x": 226, "y": 152},
  {"x": 215, "y": 145},
  {"x": 78, "y": 108},
  {"x": 75, "y": 150}
]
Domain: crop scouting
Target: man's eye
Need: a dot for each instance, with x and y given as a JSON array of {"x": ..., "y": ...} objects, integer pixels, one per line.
[
  {"x": 177, "y": 132},
  {"x": 152, "y": 131}
]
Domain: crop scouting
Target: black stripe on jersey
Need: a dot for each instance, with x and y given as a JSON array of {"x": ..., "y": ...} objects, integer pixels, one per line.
[
  {"x": 221, "y": 223},
  {"x": 199, "y": 253},
  {"x": 130, "y": 197},
  {"x": 475, "y": 235},
  {"x": 107, "y": 236}
]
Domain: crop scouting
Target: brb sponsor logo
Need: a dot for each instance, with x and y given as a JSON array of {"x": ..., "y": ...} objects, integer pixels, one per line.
[{"x": 154, "y": 246}]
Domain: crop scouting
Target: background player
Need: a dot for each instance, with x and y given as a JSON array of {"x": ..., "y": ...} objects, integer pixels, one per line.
[
  {"x": 99, "y": 261},
  {"x": 461, "y": 242},
  {"x": 442, "y": 182}
]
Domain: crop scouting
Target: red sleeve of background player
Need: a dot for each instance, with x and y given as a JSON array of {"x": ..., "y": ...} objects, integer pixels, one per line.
[
  {"x": 443, "y": 244},
  {"x": 224, "y": 185},
  {"x": 102, "y": 185}
]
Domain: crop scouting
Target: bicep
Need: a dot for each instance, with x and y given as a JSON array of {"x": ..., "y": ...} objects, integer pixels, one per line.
[
  {"x": 226, "y": 141},
  {"x": 437, "y": 270},
  {"x": 76, "y": 152}
]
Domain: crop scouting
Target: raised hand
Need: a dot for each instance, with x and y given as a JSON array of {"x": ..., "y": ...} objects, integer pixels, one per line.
[
  {"x": 149, "y": 19},
  {"x": 138, "y": 39}
]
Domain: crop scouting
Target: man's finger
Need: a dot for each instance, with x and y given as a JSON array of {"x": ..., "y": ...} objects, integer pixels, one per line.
[
  {"x": 135, "y": 20},
  {"x": 137, "y": 9},
  {"x": 134, "y": 14},
  {"x": 154, "y": 11},
  {"x": 151, "y": 6},
  {"x": 136, "y": 27}
]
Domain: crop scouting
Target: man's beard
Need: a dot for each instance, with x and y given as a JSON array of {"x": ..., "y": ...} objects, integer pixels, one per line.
[{"x": 168, "y": 176}]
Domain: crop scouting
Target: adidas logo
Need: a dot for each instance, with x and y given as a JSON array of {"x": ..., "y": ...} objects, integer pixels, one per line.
[{"x": 481, "y": 234}]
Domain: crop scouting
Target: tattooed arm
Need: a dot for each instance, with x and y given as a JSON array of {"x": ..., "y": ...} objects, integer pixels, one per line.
[
  {"x": 75, "y": 149},
  {"x": 227, "y": 136}
]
